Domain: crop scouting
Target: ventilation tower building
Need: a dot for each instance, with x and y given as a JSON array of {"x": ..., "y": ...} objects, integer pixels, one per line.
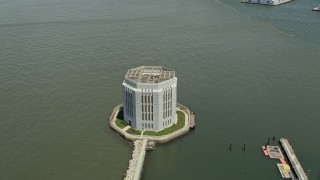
[{"x": 149, "y": 98}]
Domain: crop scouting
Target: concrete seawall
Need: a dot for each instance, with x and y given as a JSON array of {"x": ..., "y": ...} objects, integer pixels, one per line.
[
  {"x": 158, "y": 139},
  {"x": 140, "y": 141}
]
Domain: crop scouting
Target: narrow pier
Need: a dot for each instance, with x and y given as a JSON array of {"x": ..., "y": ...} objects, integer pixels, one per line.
[
  {"x": 143, "y": 142},
  {"x": 293, "y": 159},
  {"x": 136, "y": 163}
]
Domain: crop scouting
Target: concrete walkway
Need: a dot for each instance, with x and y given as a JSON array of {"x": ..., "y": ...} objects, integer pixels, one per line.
[
  {"x": 136, "y": 163},
  {"x": 158, "y": 139},
  {"x": 126, "y": 128},
  {"x": 140, "y": 141},
  {"x": 293, "y": 159}
]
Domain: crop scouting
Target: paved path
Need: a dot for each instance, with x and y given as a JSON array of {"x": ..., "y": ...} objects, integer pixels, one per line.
[
  {"x": 136, "y": 163},
  {"x": 126, "y": 128}
]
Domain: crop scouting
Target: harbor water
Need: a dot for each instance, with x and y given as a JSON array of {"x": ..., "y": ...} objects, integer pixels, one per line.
[{"x": 248, "y": 71}]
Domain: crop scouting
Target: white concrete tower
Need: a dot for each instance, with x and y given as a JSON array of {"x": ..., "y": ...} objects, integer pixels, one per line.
[{"x": 150, "y": 98}]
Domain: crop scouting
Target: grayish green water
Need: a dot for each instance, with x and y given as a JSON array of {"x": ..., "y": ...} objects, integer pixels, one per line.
[{"x": 248, "y": 71}]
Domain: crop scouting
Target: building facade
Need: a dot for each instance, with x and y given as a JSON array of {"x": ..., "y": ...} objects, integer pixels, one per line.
[
  {"x": 267, "y": 2},
  {"x": 149, "y": 98}
]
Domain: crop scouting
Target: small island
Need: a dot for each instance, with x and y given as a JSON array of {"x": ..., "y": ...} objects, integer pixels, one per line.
[{"x": 149, "y": 113}]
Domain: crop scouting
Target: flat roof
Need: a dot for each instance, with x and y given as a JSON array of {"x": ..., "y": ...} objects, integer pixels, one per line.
[{"x": 150, "y": 74}]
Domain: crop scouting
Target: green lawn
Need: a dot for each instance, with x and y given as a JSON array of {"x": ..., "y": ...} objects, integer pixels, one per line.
[
  {"x": 175, "y": 127},
  {"x": 133, "y": 131},
  {"x": 120, "y": 123},
  {"x": 181, "y": 121}
]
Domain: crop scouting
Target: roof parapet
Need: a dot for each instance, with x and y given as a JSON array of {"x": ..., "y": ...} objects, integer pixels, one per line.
[{"x": 150, "y": 74}]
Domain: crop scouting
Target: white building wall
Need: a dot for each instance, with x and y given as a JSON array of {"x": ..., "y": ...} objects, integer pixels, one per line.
[
  {"x": 157, "y": 121},
  {"x": 265, "y": 1}
]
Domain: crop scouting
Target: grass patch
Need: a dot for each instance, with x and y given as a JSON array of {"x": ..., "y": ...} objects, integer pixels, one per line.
[
  {"x": 173, "y": 128},
  {"x": 120, "y": 120},
  {"x": 120, "y": 123},
  {"x": 120, "y": 114},
  {"x": 133, "y": 131}
]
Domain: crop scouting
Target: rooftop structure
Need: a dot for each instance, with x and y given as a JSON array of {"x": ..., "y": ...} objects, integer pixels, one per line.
[{"x": 150, "y": 74}]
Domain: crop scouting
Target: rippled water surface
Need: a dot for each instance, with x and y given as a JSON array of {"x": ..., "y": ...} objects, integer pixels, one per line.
[{"x": 248, "y": 71}]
